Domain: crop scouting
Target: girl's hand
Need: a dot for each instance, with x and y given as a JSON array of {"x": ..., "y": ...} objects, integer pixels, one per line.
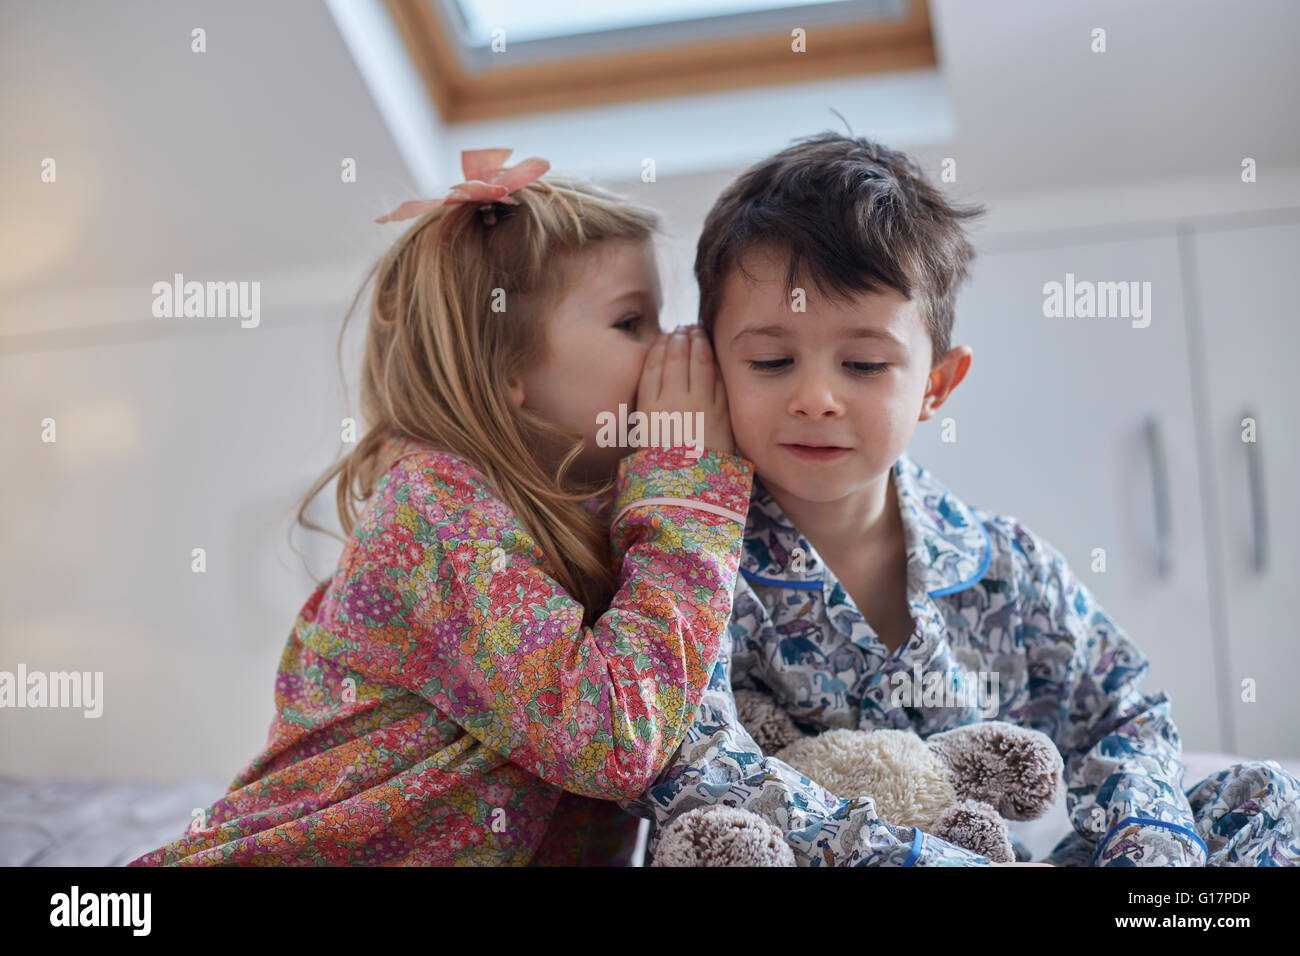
[{"x": 679, "y": 375}]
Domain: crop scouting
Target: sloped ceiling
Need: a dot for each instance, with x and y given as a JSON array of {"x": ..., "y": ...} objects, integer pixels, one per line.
[{"x": 163, "y": 155}]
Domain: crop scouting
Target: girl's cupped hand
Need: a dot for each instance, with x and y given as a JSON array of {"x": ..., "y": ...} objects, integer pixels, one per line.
[{"x": 680, "y": 375}]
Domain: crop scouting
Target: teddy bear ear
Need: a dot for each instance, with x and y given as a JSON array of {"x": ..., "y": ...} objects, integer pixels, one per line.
[{"x": 1016, "y": 769}]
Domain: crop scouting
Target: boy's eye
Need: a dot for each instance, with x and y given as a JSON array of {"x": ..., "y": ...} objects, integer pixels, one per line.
[
  {"x": 865, "y": 368},
  {"x": 630, "y": 323}
]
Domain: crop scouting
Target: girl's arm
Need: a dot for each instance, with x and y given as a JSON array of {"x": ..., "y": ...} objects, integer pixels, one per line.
[{"x": 443, "y": 592}]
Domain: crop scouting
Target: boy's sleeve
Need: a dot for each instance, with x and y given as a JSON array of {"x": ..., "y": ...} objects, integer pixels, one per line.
[
  {"x": 1123, "y": 772},
  {"x": 719, "y": 763},
  {"x": 442, "y": 592}
]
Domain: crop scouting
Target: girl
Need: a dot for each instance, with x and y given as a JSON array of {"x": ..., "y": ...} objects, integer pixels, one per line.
[{"x": 494, "y": 662}]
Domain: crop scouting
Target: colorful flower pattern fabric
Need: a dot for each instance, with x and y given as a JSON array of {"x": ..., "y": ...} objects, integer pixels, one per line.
[
  {"x": 439, "y": 701},
  {"x": 988, "y": 597}
]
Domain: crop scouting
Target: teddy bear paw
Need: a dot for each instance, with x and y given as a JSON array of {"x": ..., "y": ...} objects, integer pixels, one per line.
[
  {"x": 765, "y": 720},
  {"x": 976, "y": 826}
]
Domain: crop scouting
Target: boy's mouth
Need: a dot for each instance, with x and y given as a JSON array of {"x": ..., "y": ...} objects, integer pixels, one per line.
[{"x": 815, "y": 452}]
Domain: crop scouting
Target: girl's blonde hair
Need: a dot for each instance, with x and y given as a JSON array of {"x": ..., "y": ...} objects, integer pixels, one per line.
[{"x": 438, "y": 359}]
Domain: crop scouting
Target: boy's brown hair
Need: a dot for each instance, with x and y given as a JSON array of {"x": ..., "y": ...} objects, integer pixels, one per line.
[{"x": 859, "y": 215}]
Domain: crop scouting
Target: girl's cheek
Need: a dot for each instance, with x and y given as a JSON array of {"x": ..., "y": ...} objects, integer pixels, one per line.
[{"x": 632, "y": 373}]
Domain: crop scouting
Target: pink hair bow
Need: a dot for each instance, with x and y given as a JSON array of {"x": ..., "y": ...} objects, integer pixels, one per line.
[{"x": 487, "y": 180}]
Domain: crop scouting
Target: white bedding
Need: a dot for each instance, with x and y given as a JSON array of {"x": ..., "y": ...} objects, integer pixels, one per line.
[
  {"x": 108, "y": 823},
  {"x": 94, "y": 822}
]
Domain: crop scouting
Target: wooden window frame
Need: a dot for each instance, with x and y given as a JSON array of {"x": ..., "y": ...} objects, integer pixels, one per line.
[{"x": 846, "y": 49}]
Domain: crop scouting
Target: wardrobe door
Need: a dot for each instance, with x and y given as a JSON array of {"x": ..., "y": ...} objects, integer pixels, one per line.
[
  {"x": 1082, "y": 428},
  {"x": 1246, "y": 282}
]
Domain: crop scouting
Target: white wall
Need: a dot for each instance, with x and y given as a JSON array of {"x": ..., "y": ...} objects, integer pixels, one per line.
[
  {"x": 176, "y": 434},
  {"x": 202, "y": 438}
]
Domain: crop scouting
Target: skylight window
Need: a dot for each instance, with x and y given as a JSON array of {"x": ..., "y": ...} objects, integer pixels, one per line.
[
  {"x": 486, "y": 58},
  {"x": 530, "y": 20}
]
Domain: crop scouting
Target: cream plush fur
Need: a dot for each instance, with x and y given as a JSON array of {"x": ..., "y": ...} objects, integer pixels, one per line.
[
  {"x": 957, "y": 785},
  {"x": 908, "y": 783}
]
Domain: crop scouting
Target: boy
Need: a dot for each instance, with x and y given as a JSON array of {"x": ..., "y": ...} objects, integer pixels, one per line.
[{"x": 827, "y": 278}]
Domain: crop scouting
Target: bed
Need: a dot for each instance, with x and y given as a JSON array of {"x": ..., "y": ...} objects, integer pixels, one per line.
[{"x": 46, "y": 822}]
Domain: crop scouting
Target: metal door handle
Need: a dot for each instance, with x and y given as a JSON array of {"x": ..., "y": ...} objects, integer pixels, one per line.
[
  {"x": 1160, "y": 490},
  {"x": 1258, "y": 501}
]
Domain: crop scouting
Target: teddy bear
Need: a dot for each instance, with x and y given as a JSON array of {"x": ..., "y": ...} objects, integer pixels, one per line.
[{"x": 960, "y": 785}]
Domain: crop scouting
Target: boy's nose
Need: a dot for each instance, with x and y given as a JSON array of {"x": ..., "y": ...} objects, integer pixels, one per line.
[{"x": 814, "y": 397}]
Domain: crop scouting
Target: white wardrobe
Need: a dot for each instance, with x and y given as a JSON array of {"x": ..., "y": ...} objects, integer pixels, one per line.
[{"x": 1098, "y": 433}]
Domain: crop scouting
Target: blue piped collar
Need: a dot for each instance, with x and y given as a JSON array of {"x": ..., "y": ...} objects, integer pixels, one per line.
[{"x": 948, "y": 549}]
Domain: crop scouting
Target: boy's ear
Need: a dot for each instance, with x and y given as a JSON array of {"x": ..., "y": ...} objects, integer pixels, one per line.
[{"x": 945, "y": 377}]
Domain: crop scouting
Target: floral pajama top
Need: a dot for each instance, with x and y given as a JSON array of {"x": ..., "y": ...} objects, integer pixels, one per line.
[{"x": 439, "y": 701}]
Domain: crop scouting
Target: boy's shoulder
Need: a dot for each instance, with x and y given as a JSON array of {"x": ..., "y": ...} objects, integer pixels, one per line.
[
  {"x": 1019, "y": 558},
  {"x": 1008, "y": 535}
]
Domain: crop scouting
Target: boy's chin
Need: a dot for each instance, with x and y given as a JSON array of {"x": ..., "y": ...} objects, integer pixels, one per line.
[{"x": 805, "y": 487}]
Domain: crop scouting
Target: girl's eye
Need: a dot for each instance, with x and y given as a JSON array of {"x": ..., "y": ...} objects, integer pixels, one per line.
[
  {"x": 630, "y": 323},
  {"x": 770, "y": 366},
  {"x": 867, "y": 367}
]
